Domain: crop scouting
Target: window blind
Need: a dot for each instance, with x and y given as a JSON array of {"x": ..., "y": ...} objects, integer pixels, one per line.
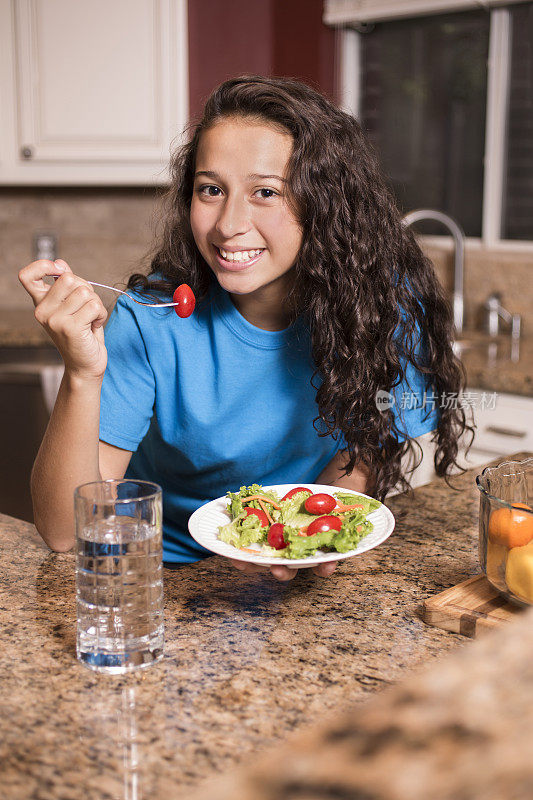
[
  {"x": 518, "y": 183},
  {"x": 350, "y": 12}
]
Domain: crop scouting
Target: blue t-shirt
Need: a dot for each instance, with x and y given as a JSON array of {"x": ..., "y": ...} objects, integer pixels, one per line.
[{"x": 211, "y": 403}]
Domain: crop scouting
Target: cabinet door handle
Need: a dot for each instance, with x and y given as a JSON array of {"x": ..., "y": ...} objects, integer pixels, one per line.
[
  {"x": 26, "y": 152},
  {"x": 505, "y": 431}
]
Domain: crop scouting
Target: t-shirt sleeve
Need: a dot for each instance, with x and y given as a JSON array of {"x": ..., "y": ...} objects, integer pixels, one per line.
[
  {"x": 128, "y": 388},
  {"x": 414, "y": 404}
]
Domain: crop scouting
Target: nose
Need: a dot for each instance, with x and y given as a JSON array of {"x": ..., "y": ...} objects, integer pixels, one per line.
[{"x": 234, "y": 218}]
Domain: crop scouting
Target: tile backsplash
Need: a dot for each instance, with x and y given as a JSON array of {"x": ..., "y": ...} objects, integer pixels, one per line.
[
  {"x": 490, "y": 270},
  {"x": 105, "y": 234}
]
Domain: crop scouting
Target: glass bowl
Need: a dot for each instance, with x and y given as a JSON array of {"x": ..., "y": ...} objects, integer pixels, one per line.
[{"x": 506, "y": 528}]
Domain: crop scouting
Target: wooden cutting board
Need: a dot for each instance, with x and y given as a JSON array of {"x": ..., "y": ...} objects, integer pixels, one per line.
[{"x": 470, "y": 608}]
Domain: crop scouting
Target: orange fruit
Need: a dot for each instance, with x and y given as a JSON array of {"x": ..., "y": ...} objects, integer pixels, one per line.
[{"x": 512, "y": 527}]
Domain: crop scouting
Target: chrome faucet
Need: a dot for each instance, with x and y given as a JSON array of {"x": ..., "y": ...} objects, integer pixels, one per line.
[
  {"x": 459, "y": 239},
  {"x": 495, "y": 310}
]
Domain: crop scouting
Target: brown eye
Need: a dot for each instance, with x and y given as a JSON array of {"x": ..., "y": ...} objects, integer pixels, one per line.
[
  {"x": 210, "y": 191},
  {"x": 267, "y": 194}
]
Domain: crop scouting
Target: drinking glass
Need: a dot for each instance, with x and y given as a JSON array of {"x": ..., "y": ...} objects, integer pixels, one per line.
[
  {"x": 119, "y": 574},
  {"x": 505, "y": 536}
]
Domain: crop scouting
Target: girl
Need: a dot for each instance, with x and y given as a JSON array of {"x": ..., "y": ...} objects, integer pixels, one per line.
[{"x": 317, "y": 315}]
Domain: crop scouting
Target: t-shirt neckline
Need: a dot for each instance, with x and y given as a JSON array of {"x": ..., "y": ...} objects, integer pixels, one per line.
[{"x": 251, "y": 334}]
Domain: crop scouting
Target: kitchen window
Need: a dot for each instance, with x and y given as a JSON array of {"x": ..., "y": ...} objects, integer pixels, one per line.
[{"x": 447, "y": 101}]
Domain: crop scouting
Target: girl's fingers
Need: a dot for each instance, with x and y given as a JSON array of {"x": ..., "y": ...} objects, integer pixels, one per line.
[
  {"x": 246, "y": 567},
  {"x": 280, "y": 573},
  {"x": 283, "y": 573},
  {"x": 77, "y": 299},
  {"x": 92, "y": 312},
  {"x": 68, "y": 292},
  {"x": 31, "y": 277},
  {"x": 326, "y": 569}
]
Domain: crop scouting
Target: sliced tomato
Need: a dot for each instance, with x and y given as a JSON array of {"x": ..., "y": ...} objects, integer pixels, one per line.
[
  {"x": 276, "y": 537},
  {"x": 320, "y": 504},
  {"x": 261, "y": 514},
  {"x": 185, "y": 299},
  {"x": 296, "y": 491},
  {"x": 326, "y": 523}
]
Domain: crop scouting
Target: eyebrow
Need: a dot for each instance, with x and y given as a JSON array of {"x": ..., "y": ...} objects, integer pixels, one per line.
[{"x": 253, "y": 177}]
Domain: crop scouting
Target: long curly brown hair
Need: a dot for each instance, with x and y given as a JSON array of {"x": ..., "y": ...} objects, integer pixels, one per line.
[{"x": 371, "y": 298}]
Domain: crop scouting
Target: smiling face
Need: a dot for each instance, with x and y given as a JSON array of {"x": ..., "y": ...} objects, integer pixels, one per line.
[{"x": 240, "y": 217}]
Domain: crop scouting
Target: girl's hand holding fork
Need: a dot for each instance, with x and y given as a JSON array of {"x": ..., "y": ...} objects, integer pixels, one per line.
[{"x": 72, "y": 314}]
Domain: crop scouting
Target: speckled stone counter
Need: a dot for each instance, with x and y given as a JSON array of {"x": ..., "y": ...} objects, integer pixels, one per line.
[
  {"x": 459, "y": 731},
  {"x": 247, "y": 659}
]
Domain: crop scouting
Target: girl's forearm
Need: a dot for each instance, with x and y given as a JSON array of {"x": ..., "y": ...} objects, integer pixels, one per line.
[
  {"x": 359, "y": 480},
  {"x": 67, "y": 457}
]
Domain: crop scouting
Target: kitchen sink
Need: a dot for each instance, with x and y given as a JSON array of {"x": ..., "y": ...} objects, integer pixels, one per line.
[{"x": 476, "y": 339}]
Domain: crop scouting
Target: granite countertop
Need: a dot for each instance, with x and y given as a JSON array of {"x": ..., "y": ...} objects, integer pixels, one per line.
[
  {"x": 461, "y": 730},
  {"x": 247, "y": 659},
  {"x": 487, "y": 369}
]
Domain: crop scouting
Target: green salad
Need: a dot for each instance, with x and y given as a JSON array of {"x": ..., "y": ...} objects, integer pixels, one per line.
[{"x": 297, "y": 524}]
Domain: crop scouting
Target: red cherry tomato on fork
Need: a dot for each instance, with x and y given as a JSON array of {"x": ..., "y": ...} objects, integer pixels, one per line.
[
  {"x": 261, "y": 514},
  {"x": 295, "y": 491},
  {"x": 276, "y": 538},
  {"x": 185, "y": 299},
  {"x": 322, "y": 524},
  {"x": 320, "y": 504}
]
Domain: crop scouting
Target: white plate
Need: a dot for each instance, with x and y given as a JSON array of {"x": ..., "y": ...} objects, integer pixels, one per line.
[{"x": 206, "y": 520}]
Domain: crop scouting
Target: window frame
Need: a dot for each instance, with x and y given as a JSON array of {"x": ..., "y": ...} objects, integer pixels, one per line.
[{"x": 498, "y": 69}]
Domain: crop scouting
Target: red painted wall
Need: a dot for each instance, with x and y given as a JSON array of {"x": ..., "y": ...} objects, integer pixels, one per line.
[
  {"x": 226, "y": 38},
  {"x": 262, "y": 37},
  {"x": 303, "y": 47}
]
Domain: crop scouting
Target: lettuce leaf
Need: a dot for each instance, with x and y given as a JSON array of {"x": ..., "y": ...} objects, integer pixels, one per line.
[
  {"x": 243, "y": 531},
  {"x": 292, "y": 507},
  {"x": 354, "y": 528},
  {"x": 271, "y": 552},
  {"x": 348, "y": 499},
  {"x": 304, "y": 546},
  {"x": 235, "y": 506}
]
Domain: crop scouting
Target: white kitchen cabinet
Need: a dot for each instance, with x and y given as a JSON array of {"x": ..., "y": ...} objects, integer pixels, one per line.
[
  {"x": 503, "y": 427},
  {"x": 91, "y": 93}
]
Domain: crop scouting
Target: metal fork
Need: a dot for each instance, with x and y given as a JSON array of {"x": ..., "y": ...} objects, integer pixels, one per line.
[{"x": 144, "y": 294}]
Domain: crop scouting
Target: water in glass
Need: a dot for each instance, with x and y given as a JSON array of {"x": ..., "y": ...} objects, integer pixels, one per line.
[{"x": 119, "y": 590}]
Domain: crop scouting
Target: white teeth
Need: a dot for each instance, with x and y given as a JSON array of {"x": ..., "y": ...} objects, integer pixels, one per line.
[{"x": 240, "y": 255}]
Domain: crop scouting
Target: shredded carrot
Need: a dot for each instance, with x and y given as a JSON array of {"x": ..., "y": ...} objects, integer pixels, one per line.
[
  {"x": 248, "y": 550},
  {"x": 303, "y": 531},
  {"x": 269, "y": 518},
  {"x": 342, "y": 507},
  {"x": 260, "y": 497}
]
